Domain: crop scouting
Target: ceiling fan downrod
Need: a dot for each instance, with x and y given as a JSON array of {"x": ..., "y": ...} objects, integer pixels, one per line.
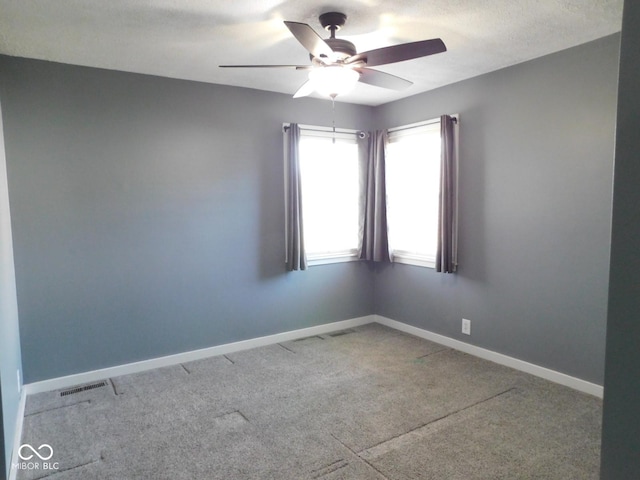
[{"x": 332, "y": 22}]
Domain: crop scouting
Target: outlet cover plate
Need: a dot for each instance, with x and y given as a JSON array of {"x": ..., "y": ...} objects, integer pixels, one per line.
[{"x": 466, "y": 326}]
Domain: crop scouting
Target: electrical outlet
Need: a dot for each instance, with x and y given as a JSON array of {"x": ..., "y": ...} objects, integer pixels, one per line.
[{"x": 466, "y": 326}]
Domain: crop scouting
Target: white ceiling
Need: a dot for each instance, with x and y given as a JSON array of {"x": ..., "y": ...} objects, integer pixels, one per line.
[{"x": 188, "y": 39}]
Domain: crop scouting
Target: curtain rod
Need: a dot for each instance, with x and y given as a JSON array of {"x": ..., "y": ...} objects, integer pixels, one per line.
[
  {"x": 314, "y": 128},
  {"x": 363, "y": 134}
]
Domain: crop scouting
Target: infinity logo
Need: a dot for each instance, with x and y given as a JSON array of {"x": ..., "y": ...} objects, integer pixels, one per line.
[{"x": 29, "y": 456}]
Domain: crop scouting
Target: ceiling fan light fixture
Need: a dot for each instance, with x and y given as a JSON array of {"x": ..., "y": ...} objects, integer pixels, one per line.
[
  {"x": 336, "y": 66},
  {"x": 333, "y": 80}
]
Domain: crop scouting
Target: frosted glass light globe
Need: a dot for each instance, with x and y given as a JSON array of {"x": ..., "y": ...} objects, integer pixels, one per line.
[{"x": 333, "y": 80}]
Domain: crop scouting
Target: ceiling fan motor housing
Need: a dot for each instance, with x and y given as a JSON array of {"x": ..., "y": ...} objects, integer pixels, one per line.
[
  {"x": 343, "y": 47},
  {"x": 332, "y": 22}
]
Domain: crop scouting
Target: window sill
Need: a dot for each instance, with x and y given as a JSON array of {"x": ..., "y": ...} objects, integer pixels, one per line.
[
  {"x": 412, "y": 259},
  {"x": 334, "y": 257}
]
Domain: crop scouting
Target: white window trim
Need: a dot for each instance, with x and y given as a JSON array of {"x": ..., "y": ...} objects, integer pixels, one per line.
[
  {"x": 413, "y": 128},
  {"x": 333, "y": 257},
  {"x": 409, "y": 258}
]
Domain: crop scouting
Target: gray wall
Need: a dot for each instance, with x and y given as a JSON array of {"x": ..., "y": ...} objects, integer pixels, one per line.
[
  {"x": 148, "y": 217},
  {"x": 536, "y": 160},
  {"x": 10, "y": 358},
  {"x": 147, "y": 214},
  {"x": 621, "y": 420}
]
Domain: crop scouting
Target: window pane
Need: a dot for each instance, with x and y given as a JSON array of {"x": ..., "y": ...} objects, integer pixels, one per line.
[
  {"x": 413, "y": 185},
  {"x": 329, "y": 176}
]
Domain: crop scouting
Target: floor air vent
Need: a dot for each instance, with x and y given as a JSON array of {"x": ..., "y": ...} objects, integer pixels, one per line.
[{"x": 83, "y": 389}]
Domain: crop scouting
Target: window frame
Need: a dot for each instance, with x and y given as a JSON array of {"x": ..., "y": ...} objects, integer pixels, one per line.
[
  {"x": 412, "y": 258},
  {"x": 343, "y": 134}
]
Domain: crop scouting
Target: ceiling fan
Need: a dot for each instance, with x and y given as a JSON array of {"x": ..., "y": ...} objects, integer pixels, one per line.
[{"x": 336, "y": 66}]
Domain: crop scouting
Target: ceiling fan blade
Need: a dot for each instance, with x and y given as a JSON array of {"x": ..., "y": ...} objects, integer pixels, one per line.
[
  {"x": 305, "y": 90},
  {"x": 297, "y": 67},
  {"x": 310, "y": 39},
  {"x": 382, "y": 79},
  {"x": 399, "y": 53}
]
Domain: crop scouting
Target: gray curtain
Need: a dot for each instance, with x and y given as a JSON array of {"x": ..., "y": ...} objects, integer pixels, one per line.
[
  {"x": 374, "y": 243},
  {"x": 296, "y": 258},
  {"x": 446, "y": 254}
]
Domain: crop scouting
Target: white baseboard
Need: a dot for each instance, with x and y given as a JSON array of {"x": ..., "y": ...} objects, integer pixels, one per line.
[
  {"x": 136, "y": 367},
  {"x": 538, "y": 371},
  {"x": 17, "y": 436},
  {"x": 96, "y": 375}
]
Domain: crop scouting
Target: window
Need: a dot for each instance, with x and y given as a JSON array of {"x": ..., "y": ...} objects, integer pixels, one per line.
[
  {"x": 329, "y": 174},
  {"x": 413, "y": 189},
  {"x": 332, "y": 204}
]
